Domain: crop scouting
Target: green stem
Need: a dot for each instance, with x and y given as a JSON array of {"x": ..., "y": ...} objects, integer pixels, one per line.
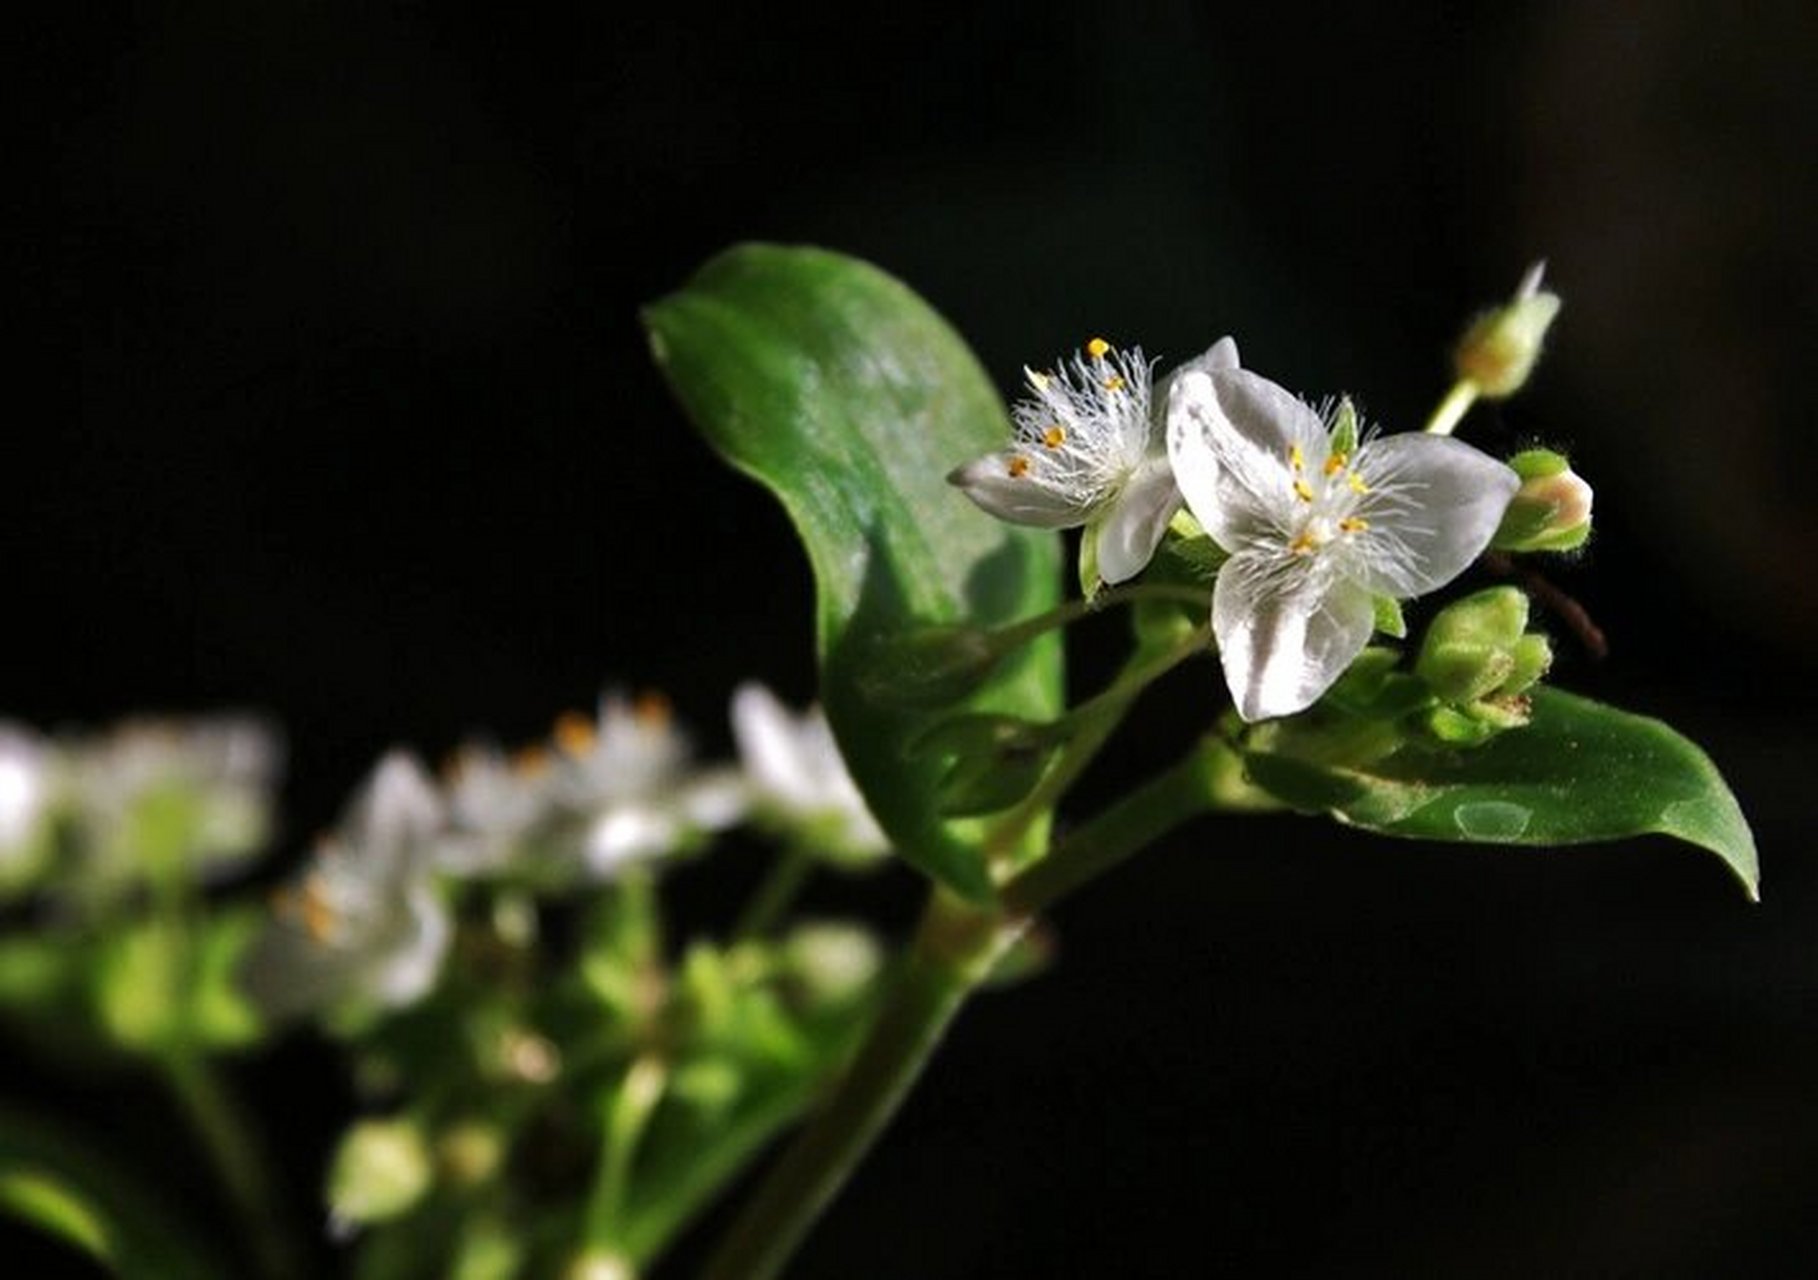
[
  {"x": 773, "y": 897},
  {"x": 1183, "y": 791},
  {"x": 628, "y": 1109},
  {"x": 1098, "y": 719},
  {"x": 952, "y": 953},
  {"x": 1018, "y": 634},
  {"x": 1453, "y": 408},
  {"x": 241, "y": 1166}
]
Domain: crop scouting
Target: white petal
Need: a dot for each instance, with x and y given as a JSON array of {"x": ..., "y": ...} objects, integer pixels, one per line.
[
  {"x": 1264, "y": 424},
  {"x": 772, "y": 749},
  {"x": 1238, "y": 490},
  {"x": 407, "y": 969},
  {"x": 396, "y": 817},
  {"x": 1027, "y": 498},
  {"x": 1133, "y": 527},
  {"x": 1434, "y": 505},
  {"x": 629, "y": 834},
  {"x": 1283, "y": 640}
]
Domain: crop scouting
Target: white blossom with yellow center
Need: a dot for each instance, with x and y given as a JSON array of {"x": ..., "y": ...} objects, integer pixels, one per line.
[
  {"x": 1315, "y": 533},
  {"x": 1089, "y": 451}
]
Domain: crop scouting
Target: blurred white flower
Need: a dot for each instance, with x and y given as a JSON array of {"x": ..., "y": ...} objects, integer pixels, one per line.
[
  {"x": 26, "y": 798},
  {"x": 1314, "y": 532},
  {"x": 798, "y": 779},
  {"x": 626, "y": 775},
  {"x": 363, "y": 925},
  {"x": 496, "y": 803},
  {"x": 157, "y": 794}
]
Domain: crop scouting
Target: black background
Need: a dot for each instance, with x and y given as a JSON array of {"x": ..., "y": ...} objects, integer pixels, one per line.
[{"x": 331, "y": 401}]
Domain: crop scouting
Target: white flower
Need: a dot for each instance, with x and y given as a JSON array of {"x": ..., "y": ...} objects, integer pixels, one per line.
[
  {"x": 495, "y": 804},
  {"x": 364, "y": 924},
  {"x": 26, "y": 793},
  {"x": 626, "y": 774},
  {"x": 798, "y": 779},
  {"x": 1088, "y": 451},
  {"x": 1313, "y": 533},
  {"x": 170, "y": 791}
]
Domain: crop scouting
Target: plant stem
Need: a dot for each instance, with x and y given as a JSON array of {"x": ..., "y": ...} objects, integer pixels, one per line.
[
  {"x": 1158, "y": 806},
  {"x": 1020, "y": 633},
  {"x": 627, "y": 1111},
  {"x": 239, "y": 1163},
  {"x": 1098, "y": 719},
  {"x": 781, "y": 883},
  {"x": 1453, "y": 408},
  {"x": 953, "y": 951}
]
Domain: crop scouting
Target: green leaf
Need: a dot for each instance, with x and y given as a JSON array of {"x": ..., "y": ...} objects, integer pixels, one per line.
[
  {"x": 842, "y": 392},
  {"x": 1579, "y": 772},
  {"x": 75, "y": 1191}
]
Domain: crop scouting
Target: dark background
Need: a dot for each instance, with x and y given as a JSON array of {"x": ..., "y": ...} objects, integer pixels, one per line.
[{"x": 332, "y": 402}]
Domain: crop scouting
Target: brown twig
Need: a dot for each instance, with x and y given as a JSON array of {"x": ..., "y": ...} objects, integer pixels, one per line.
[{"x": 1554, "y": 600}]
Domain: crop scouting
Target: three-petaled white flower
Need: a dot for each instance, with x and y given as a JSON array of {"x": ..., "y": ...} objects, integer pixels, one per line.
[
  {"x": 1089, "y": 451},
  {"x": 1315, "y": 533}
]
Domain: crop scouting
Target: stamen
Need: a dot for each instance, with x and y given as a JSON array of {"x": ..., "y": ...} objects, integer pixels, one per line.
[
  {"x": 1303, "y": 490},
  {"x": 1336, "y": 463},
  {"x": 1296, "y": 458},
  {"x": 531, "y": 761},
  {"x": 574, "y": 733},
  {"x": 1098, "y": 348},
  {"x": 1357, "y": 483},
  {"x": 1304, "y": 544},
  {"x": 1018, "y": 466},
  {"x": 1353, "y": 524},
  {"x": 1114, "y": 383},
  {"x": 652, "y": 710},
  {"x": 1038, "y": 380},
  {"x": 314, "y": 910},
  {"x": 1055, "y": 436}
]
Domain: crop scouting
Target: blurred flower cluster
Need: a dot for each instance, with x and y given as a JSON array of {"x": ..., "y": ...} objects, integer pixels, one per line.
[{"x": 489, "y": 943}]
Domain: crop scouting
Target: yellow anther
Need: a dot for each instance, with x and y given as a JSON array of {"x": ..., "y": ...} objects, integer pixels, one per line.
[
  {"x": 1303, "y": 490},
  {"x": 1018, "y": 466},
  {"x": 1357, "y": 483},
  {"x": 1304, "y": 544},
  {"x": 1055, "y": 436},
  {"x": 1352, "y": 524},
  {"x": 531, "y": 761},
  {"x": 1114, "y": 383},
  {"x": 309, "y": 906},
  {"x": 1037, "y": 380},
  {"x": 1296, "y": 458},
  {"x": 1336, "y": 463},
  {"x": 574, "y": 733},
  {"x": 1098, "y": 348},
  {"x": 652, "y": 710}
]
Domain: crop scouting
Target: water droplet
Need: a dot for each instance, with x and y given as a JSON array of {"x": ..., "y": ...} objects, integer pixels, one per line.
[{"x": 1492, "y": 819}]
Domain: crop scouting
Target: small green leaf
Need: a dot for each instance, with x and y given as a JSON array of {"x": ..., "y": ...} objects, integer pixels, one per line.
[
  {"x": 1578, "y": 772},
  {"x": 842, "y": 392}
]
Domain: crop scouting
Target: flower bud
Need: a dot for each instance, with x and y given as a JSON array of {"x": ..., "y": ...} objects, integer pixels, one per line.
[
  {"x": 381, "y": 1169},
  {"x": 1479, "y": 659},
  {"x": 834, "y": 963},
  {"x": 1552, "y": 509},
  {"x": 1498, "y": 350}
]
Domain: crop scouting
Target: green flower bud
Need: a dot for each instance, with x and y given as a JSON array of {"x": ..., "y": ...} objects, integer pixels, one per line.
[
  {"x": 470, "y": 1152},
  {"x": 833, "y": 963},
  {"x": 1552, "y": 509},
  {"x": 1478, "y": 659},
  {"x": 1498, "y": 350},
  {"x": 381, "y": 1169}
]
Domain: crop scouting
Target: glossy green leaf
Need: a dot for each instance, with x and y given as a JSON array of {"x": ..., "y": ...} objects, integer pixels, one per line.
[
  {"x": 1578, "y": 772},
  {"x": 842, "y": 392}
]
